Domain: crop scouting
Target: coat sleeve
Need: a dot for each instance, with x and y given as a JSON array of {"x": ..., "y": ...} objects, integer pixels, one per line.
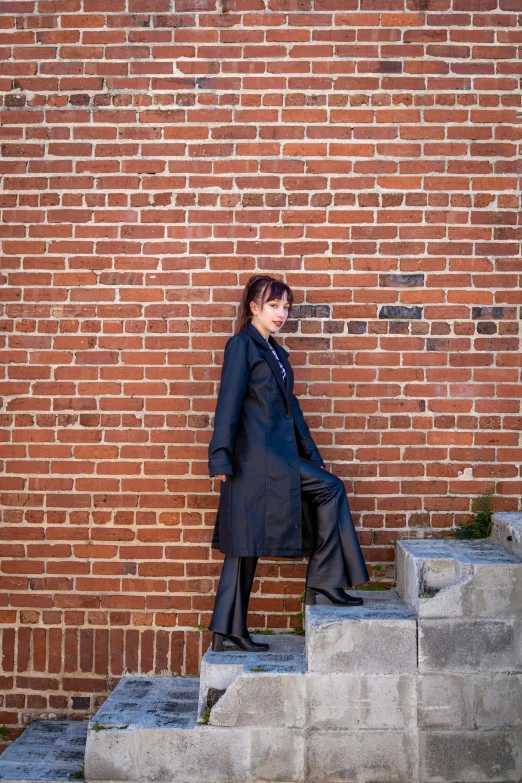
[
  {"x": 232, "y": 391},
  {"x": 307, "y": 443}
]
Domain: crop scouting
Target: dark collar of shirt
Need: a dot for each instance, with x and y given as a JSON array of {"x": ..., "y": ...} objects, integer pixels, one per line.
[{"x": 283, "y": 371}]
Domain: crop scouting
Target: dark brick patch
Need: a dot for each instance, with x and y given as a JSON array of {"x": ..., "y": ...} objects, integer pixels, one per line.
[
  {"x": 437, "y": 344},
  {"x": 357, "y": 327},
  {"x": 390, "y": 66},
  {"x": 487, "y": 312},
  {"x": 487, "y": 327},
  {"x": 80, "y": 702},
  {"x": 392, "y": 280},
  {"x": 399, "y": 327},
  {"x": 311, "y": 311},
  {"x": 14, "y": 101},
  {"x": 400, "y": 311},
  {"x": 333, "y": 327}
]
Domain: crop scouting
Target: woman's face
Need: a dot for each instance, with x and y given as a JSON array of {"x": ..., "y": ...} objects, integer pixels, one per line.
[{"x": 272, "y": 317}]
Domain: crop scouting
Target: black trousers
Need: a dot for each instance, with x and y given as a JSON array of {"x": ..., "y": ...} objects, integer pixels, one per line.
[{"x": 336, "y": 561}]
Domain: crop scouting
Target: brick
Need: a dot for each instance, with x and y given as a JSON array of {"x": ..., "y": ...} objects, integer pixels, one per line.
[{"x": 375, "y": 169}]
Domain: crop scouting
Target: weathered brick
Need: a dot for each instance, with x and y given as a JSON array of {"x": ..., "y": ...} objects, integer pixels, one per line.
[{"x": 369, "y": 157}]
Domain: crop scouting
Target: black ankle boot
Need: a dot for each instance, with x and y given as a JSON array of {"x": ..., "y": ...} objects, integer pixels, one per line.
[
  {"x": 242, "y": 643},
  {"x": 335, "y": 595}
]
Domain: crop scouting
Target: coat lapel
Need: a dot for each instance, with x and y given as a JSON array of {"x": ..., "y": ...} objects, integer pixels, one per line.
[{"x": 285, "y": 385}]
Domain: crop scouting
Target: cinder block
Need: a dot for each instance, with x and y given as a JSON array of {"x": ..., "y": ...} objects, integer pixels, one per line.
[
  {"x": 459, "y": 578},
  {"x": 216, "y": 675},
  {"x": 414, "y": 561},
  {"x": 277, "y": 755},
  {"x": 360, "y": 757},
  {"x": 220, "y": 670},
  {"x": 361, "y": 701},
  {"x": 201, "y": 755},
  {"x": 471, "y": 757},
  {"x": 470, "y": 645},
  {"x": 497, "y": 701},
  {"x": 494, "y": 592},
  {"x": 507, "y": 531},
  {"x": 112, "y": 754},
  {"x": 376, "y": 638},
  {"x": 262, "y": 699},
  {"x": 477, "y": 701},
  {"x": 445, "y": 701}
]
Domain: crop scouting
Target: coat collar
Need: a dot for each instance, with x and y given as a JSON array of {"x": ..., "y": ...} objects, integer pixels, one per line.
[
  {"x": 272, "y": 361},
  {"x": 258, "y": 337}
]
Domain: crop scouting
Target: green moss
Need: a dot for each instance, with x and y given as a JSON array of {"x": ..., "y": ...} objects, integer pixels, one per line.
[
  {"x": 480, "y": 523},
  {"x": 429, "y": 592},
  {"x": 4, "y": 731},
  {"x": 205, "y": 717},
  {"x": 373, "y": 586}
]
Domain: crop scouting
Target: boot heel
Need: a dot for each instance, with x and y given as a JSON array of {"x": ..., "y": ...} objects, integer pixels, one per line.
[
  {"x": 309, "y": 597},
  {"x": 217, "y": 643}
]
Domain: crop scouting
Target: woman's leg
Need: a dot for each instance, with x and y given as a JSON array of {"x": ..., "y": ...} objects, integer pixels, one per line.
[
  {"x": 231, "y": 604},
  {"x": 337, "y": 560}
]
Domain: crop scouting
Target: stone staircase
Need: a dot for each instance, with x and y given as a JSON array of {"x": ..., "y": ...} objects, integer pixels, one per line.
[{"x": 422, "y": 684}]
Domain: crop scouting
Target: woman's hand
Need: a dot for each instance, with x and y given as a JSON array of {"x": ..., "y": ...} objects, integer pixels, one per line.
[{"x": 221, "y": 476}]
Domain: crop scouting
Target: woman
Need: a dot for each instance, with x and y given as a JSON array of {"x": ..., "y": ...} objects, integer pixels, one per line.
[{"x": 276, "y": 498}]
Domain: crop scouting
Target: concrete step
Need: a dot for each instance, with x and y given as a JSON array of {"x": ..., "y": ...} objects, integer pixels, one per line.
[
  {"x": 48, "y": 750},
  {"x": 450, "y": 578},
  {"x": 419, "y": 685},
  {"x": 255, "y": 689},
  {"x": 239, "y": 674},
  {"x": 507, "y": 531},
  {"x": 147, "y": 731},
  {"x": 379, "y": 637},
  {"x": 158, "y": 754},
  {"x": 137, "y": 708},
  {"x": 468, "y": 597},
  {"x": 169, "y": 702}
]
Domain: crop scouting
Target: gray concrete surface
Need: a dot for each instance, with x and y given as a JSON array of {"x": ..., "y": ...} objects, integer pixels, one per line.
[
  {"x": 507, "y": 531},
  {"x": 453, "y": 578},
  {"x": 219, "y": 670},
  {"x": 263, "y": 699},
  {"x": 378, "y": 637},
  {"x": 48, "y": 750},
  {"x": 424, "y": 686},
  {"x": 169, "y": 702},
  {"x": 467, "y": 645}
]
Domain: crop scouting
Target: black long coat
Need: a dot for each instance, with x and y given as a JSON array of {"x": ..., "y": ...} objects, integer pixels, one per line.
[{"x": 259, "y": 434}]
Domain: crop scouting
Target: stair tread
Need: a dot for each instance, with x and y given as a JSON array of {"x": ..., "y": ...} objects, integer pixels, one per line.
[
  {"x": 150, "y": 702},
  {"x": 47, "y": 752},
  {"x": 385, "y": 606},
  {"x": 286, "y": 654},
  {"x": 478, "y": 552}
]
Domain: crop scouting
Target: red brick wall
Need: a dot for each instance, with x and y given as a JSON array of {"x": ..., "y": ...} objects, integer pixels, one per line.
[{"x": 156, "y": 154}]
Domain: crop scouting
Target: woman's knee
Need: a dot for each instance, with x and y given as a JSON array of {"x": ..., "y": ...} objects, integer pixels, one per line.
[{"x": 335, "y": 484}]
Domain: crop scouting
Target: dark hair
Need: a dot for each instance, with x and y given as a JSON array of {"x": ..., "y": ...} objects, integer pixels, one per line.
[{"x": 260, "y": 289}]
